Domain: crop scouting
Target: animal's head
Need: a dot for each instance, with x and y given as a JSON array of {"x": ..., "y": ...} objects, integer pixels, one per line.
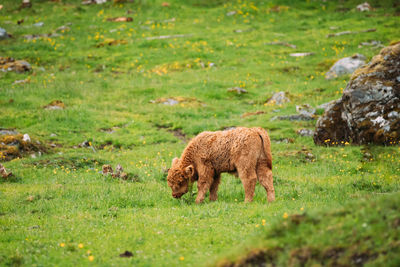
[{"x": 178, "y": 178}]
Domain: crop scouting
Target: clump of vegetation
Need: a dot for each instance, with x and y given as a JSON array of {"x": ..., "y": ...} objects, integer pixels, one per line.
[{"x": 14, "y": 146}]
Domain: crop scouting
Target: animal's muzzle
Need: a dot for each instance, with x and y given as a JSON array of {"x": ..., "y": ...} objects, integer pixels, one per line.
[{"x": 177, "y": 195}]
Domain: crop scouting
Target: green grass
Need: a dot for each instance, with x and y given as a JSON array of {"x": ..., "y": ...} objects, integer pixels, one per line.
[{"x": 60, "y": 197}]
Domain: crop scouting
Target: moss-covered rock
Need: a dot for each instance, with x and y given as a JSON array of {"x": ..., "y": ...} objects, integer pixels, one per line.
[{"x": 369, "y": 110}]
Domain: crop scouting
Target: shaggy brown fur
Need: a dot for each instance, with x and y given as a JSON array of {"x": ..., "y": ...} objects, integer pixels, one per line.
[{"x": 242, "y": 151}]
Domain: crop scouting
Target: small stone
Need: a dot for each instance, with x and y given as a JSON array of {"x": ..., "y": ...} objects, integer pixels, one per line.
[
  {"x": 84, "y": 144},
  {"x": 170, "y": 102},
  {"x": 3, "y": 34},
  {"x": 53, "y": 135},
  {"x": 119, "y": 169},
  {"x": 301, "y": 54},
  {"x": 8, "y": 132},
  {"x": 278, "y": 98},
  {"x": 345, "y": 66},
  {"x": 4, "y": 173},
  {"x": 26, "y": 4},
  {"x": 306, "y": 110},
  {"x": 26, "y": 138},
  {"x": 231, "y": 13},
  {"x": 21, "y": 81},
  {"x": 39, "y": 24},
  {"x": 364, "y": 7},
  {"x": 295, "y": 117},
  {"x": 124, "y": 176},
  {"x": 89, "y": 2},
  {"x": 63, "y": 28},
  {"x": 107, "y": 169},
  {"x": 237, "y": 90},
  {"x": 305, "y": 132}
]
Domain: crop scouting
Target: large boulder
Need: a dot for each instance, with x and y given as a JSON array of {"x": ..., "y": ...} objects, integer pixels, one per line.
[{"x": 369, "y": 110}]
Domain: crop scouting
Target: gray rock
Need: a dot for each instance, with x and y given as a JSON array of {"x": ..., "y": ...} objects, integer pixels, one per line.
[
  {"x": 306, "y": 110},
  {"x": 3, "y": 34},
  {"x": 7, "y": 132},
  {"x": 301, "y": 54},
  {"x": 278, "y": 98},
  {"x": 305, "y": 132},
  {"x": 306, "y": 113},
  {"x": 170, "y": 102},
  {"x": 371, "y": 43},
  {"x": 39, "y": 24},
  {"x": 295, "y": 117},
  {"x": 368, "y": 111},
  {"x": 345, "y": 66},
  {"x": 26, "y": 138}
]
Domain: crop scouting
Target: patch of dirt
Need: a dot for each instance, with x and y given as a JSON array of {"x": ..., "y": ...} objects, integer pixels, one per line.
[
  {"x": 121, "y": 19},
  {"x": 111, "y": 42},
  {"x": 332, "y": 253},
  {"x": 18, "y": 146},
  {"x": 306, "y": 155},
  {"x": 180, "y": 135},
  {"x": 257, "y": 257},
  {"x": 300, "y": 256},
  {"x": 360, "y": 258},
  {"x": 182, "y": 101},
  {"x": 126, "y": 254},
  {"x": 247, "y": 114},
  {"x": 55, "y": 104},
  {"x": 290, "y": 69},
  {"x": 176, "y": 132}
]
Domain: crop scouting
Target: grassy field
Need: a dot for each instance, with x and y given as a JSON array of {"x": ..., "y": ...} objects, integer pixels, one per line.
[{"x": 113, "y": 78}]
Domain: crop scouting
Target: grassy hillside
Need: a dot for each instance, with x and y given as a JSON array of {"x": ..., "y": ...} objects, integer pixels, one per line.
[
  {"x": 114, "y": 77},
  {"x": 364, "y": 232}
]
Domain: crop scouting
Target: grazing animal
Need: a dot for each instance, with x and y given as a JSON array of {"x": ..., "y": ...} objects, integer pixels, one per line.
[{"x": 245, "y": 152}]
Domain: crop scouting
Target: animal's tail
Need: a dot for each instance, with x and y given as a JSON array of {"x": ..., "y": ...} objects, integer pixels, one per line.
[{"x": 266, "y": 145}]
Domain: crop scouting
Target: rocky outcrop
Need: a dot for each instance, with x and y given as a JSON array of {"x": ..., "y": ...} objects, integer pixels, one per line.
[{"x": 369, "y": 110}]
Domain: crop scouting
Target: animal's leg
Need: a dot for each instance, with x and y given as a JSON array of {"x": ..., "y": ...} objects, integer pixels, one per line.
[
  {"x": 203, "y": 184},
  {"x": 249, "y": 180},
  {"x": 266, "y": 180},
  {"x": 214, "y": 187}
]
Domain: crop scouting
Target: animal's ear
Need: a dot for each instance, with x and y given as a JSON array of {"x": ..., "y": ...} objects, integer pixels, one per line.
[
  {"x": 189, "y": 170},
  {"x": 175, "y": 161}
]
